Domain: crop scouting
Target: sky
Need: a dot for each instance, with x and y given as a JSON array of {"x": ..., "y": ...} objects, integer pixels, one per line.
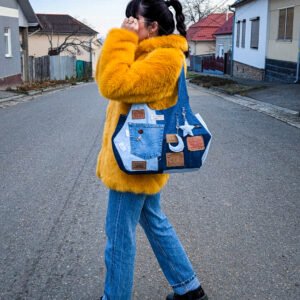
[{"x": 101, "y": 15}]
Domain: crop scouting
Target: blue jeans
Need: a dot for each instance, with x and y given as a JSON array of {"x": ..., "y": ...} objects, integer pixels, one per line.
[{"x": 124, "y": 212}]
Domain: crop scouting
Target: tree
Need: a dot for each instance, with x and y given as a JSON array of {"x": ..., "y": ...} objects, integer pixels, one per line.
[
  {"x": 72, "y": 44},
  {"x": 195, "y": 10}
]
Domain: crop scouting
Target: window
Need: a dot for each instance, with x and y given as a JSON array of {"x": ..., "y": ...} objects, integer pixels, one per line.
[
  {"x": 243, "y": 33},
  {"x": 238, "y": 29},
  {"x": 285, "y": 28},
  {"x": 254, "y": 33},
  {"x": 7, "y": 41}
]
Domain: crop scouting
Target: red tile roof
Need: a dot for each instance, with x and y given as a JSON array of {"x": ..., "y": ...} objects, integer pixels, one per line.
[
  {"x": 204, "y": 29},
  {"x": 226, "y": 28}
]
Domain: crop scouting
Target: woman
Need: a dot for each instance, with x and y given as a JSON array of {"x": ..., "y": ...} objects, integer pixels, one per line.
[{"x": 141, "y": 63}]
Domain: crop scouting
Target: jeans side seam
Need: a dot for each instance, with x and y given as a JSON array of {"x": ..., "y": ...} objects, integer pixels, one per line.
[
  {"x": 114, "y": 239},
  {"x": 157, "y": 242}
]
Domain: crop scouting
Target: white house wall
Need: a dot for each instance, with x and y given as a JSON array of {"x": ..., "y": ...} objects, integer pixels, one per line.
[
  {"x": 224, "y": 41},
  {"x": 22, "y": 19},
  {"x": 247, "y": 55}
]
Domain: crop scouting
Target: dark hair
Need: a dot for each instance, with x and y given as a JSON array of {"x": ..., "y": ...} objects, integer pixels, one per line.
[{"x": 158, "y": 10}]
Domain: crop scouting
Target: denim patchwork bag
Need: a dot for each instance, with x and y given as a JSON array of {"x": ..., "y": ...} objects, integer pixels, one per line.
[{"x": 161, "y": 141}]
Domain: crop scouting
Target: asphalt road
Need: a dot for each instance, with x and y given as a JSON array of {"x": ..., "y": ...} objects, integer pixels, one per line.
[{"x": 238, "y": 218}]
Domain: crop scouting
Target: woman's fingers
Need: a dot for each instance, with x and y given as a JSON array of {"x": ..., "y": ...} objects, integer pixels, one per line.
[{"x": 131, "y": 24}]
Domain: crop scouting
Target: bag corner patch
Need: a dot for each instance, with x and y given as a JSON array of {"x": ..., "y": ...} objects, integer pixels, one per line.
[
  {"x": 139, "y": 165},
  {"x": 138, "y": 114},
  {"x": 175, "y": 159},
  {"x": 195, "y": 143},
  {"x": 171, "y": 138}
]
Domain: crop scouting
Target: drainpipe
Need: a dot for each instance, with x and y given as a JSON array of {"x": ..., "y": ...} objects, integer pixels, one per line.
[
  {"x": 34, "y": 32},
  {"x": 298, "y": 62},
  {"x": 233, "y": 29}
]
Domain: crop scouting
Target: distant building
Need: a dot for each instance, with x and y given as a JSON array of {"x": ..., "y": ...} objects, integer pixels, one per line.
[
  {"x": 16, "y": 17},
  {"x": 224, "y": 38},
  {"x": 267, "y": 39},
  {"x": 59, "y": 28},
  {"x": 201, "y": 36},
  {"x": 250, "y": 36},
  {"x": 283, "y": 44},
  {"x": 202, "y": 39}
]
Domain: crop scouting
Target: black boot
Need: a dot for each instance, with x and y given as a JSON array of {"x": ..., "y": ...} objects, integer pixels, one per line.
[{"x": 197, "y": 294}]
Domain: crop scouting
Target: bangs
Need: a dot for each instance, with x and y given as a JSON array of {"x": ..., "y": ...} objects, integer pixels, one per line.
[{"x": 133, "y": 9}]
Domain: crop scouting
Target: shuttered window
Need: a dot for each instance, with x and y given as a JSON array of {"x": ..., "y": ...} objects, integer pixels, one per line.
[
  {"x": 238, "y": 29},
  {"x": 254, "y": 33},
  {"x": 243, "y": 33},
  {"x": 286, "y": 22}
]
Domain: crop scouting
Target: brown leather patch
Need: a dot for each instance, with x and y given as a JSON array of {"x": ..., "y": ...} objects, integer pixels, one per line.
[
  {"x": 171, "y": 138},
  {"x": 139, "y": 165},
  {"x": 175, "y": 159},
  {"x": 138, "y": 114},
  {"x": 195, "y": 143}
]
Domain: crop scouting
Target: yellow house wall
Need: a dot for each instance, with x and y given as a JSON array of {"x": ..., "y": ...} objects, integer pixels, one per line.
[
  {"x": 39, "y": 46},
  {"x": 278, "y": 49},
  {"x": 200, "y": 48}
]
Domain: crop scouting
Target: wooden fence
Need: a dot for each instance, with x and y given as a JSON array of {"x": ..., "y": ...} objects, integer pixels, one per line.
[{"x": 57, "y": 68}]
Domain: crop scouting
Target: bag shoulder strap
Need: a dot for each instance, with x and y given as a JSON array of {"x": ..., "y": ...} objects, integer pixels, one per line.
[{"x": 183, "y": 97}]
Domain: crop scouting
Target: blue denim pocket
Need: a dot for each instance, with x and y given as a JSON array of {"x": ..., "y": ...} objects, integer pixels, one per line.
[{"x": 146, "y": 139}]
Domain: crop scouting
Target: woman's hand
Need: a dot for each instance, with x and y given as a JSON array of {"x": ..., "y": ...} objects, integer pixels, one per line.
[{"x": 131, "y": 24}]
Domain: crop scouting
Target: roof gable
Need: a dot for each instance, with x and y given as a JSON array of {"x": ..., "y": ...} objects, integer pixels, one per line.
[
  {"x": 226, "y": 28},
  {"x": 28, "y": 13},
  {"x": 63, "y": 24},
  {"x": 204, "y": 29}
]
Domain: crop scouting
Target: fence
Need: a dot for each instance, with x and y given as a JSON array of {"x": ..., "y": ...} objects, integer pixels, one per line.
[
  {"x": 58, "y": 68},
  {"x": 211, "y": 64}
]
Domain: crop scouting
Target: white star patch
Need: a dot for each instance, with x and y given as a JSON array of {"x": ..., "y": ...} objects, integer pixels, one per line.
[{"x": 187, "y": 129}]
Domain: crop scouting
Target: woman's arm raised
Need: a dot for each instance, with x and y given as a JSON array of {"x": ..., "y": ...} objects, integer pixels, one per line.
[{"x": 121, "y": 78}]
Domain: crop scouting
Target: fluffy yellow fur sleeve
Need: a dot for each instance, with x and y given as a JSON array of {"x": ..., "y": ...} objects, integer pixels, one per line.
[{"x": 122, "y": 76}]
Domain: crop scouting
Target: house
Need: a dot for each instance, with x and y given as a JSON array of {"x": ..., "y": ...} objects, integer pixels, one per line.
[
  {"x": 202, "y": 40},
  {"x": 250, "y": 36},
  {"x": 224, "y": 38},
  {"x": 201, "y": 36},
  {"x": 61, "y": 34},
  {"x": 16, "y": 18},
  {"x": 283, "y": 43}
]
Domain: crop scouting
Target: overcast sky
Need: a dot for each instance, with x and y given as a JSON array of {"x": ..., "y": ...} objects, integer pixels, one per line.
[{"x": 99, "y": 14}]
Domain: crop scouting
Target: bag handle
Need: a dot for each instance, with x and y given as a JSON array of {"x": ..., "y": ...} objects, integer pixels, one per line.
[{"x": 183, "y": 97}]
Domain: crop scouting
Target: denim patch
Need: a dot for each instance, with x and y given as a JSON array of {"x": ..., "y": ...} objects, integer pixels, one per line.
[{"x": 146, "y": 139}]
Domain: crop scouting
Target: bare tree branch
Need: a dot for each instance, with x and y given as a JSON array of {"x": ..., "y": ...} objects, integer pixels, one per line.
[
  {"x": 195, "y": 10},
  {"x": 71, "y": 44}
]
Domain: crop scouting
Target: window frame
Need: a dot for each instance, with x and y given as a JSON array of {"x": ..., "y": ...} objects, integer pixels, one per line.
[
  {"x": 7, "y": 42},
  {"x": 238, "y": 34},
  {"x": 256, "y": 19},
  {"x": 243, "y": 41},
  {"x": 284, "y": 38}
]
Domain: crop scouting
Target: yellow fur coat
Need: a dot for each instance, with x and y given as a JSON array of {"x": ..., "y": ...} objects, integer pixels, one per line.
[{"x": 132, "y": 72}]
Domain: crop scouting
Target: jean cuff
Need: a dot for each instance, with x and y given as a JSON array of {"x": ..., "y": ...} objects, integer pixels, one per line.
[{"x": 186, "y": 286}]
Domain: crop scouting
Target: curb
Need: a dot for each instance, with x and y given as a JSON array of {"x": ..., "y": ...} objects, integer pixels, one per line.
[
  {"x": 32, "y": 94},
  {"x": 285, "y": 115}
]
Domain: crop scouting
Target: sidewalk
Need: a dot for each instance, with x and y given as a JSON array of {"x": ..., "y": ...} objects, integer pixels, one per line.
[
  {"x": 278, "y": 94},
  {"x": 6, "y": 96},
  {"x": 286, "y": 95}
]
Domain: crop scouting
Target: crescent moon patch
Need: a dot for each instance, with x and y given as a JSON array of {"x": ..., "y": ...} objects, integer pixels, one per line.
[{"x": 179, "y": 147}]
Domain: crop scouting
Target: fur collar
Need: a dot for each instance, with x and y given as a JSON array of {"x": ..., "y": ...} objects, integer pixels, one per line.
[{"x": 164, "y": 41}]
